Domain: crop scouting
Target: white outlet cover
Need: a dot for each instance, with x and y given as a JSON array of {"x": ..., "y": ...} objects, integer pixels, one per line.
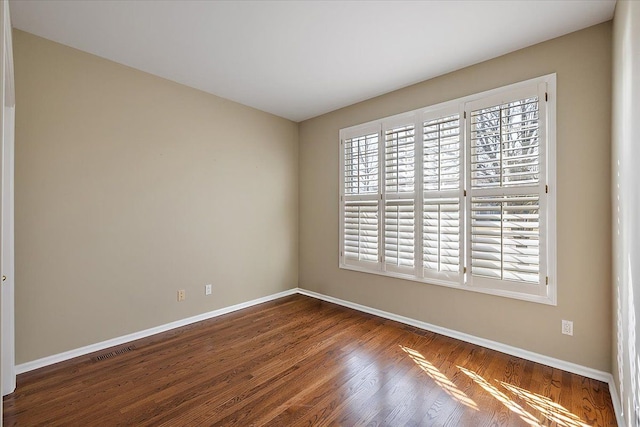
[
  {"x": 207, "y": 289},
  {"x": 567, "y": 327}
]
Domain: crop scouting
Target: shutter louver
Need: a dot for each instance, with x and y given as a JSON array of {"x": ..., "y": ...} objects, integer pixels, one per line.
[
  {"x": 361, "y": 231},
  {"x": 441, "y": 235},
  {"x": 505, "y": 237}
]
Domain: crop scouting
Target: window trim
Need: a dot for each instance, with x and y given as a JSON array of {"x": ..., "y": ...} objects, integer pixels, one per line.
[{"x": 547, "y": 293}]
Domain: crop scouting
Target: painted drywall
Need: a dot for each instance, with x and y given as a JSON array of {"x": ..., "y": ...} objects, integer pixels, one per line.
[
  {"x": 130, "y": 187},
  {"x": 2, "y": 53},
  {"x": 626, "y": 207},
  {"x": 582, "y": 61}
]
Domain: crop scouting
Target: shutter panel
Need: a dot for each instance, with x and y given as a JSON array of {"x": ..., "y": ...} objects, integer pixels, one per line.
[
  {"x": 400, "y": 156},
  {"x": 399, "y": 239},
  {"x": 505, "y": 145},
  {"x": 505, "y": 194},
  {"x": 361, "y": 231},
  {"x": 441, "y": 154},
  {"x": 441, "y": 235},
  {"x": 521, "y": 143},
  {"x": 361, "y": 165},
  {"x": 441, "y": 239},
  {"x": 505, "y": 237},
  {"x": 360, "y": 204},
  {"x": 399, "y": 207}
]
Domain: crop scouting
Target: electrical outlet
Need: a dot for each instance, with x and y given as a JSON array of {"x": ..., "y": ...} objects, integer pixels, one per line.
[
  {"x": 207, "y": 289},
  {"x": 181, "y": 295},
  {"x": 567, "y": 327}
]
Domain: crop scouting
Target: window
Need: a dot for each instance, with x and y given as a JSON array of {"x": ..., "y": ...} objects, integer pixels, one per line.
[
  {"x": 360, "y": 207},
  {"x": 459, "y": 194}
]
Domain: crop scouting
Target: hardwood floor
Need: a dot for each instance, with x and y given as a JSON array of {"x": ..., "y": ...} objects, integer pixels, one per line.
[{"x": 298, "y": 361}]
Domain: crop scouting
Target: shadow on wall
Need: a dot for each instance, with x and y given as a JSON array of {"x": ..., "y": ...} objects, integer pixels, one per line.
[
  {"x": 630, "y": 357},
  {"x": 626, "y": 205}
]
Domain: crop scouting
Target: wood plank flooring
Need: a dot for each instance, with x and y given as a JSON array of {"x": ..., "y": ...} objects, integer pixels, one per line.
[{"x": 298, "y": 361}]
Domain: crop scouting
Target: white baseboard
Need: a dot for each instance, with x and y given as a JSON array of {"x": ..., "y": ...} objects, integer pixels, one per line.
[
  {"x": 493, "y": 345},
  {"x": 514, "y": 351},
  {"x": 61, "y": 357}
]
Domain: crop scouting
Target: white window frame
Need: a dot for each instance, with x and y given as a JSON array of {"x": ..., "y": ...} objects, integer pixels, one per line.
[{"x": 544, "y": 292}]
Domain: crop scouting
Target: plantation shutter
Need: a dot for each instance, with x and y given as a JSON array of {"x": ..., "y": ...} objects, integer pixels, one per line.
[
  {"x": 507, "y": 189},
  {"x": 360, "y": 198},
  {"x": 456, "y": 194},
  {"x": 442, "y": 196},
  {"x": 399, "y": 198}
]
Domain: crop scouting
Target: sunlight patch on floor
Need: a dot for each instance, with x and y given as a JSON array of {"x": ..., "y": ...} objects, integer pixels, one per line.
[
  {"x": 440, "y": 379},
  {"x": 503, "y": 398},
  {"x": 551, "y": 410}
]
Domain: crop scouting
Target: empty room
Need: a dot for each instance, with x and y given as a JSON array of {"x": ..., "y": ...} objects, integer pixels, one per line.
[{"x": 295, "y": 213}]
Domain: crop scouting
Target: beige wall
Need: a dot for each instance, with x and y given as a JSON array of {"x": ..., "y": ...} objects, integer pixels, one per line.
[
  {"x": 626, "y": 207},
  {"x": 130, "y": 187},
  {"x": 582, "y": 61}
]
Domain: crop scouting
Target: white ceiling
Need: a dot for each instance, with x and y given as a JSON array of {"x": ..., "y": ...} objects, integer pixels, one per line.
[{"x": 300, "y": 59}]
